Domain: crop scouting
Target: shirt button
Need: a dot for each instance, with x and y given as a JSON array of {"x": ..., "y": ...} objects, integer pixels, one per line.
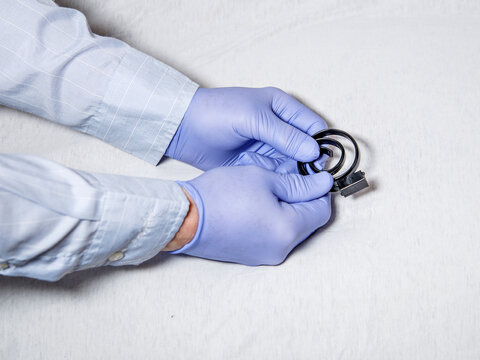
[
  {"x": 4, "y": 266},
  {"x": 116, "y": 256}
]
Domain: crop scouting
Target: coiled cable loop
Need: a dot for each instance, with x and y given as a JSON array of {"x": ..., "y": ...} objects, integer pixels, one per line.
[{"x": 349, "y": 181}]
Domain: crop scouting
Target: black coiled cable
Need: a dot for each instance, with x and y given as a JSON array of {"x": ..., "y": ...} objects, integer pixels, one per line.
[{"x": 350, "y": 181}]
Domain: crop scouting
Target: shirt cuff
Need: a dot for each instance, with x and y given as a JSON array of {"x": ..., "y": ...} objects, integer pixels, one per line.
[
  {"x": 143, "y": 106},
  {"x": 139, "y": 217}
]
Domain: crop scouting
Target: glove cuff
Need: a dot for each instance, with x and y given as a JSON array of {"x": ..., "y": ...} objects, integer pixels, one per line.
[{"x": 198, "y": 201}]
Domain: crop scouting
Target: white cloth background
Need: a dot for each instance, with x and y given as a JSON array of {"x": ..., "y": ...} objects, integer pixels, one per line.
[{"x": 396, "y": 275}]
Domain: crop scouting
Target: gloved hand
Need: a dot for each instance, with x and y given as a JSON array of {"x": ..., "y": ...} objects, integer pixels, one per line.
[
  {"x": 221, "y": 124},
  {"x": 254, "y": 216}
]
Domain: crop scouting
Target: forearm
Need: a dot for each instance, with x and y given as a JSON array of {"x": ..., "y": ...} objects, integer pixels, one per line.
[
  {"x": 57, "y": 220},
  {"x": 51, "y": 65}
]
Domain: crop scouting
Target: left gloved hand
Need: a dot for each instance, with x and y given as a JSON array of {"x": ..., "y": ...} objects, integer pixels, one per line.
[{"x": 221, "y": 125}]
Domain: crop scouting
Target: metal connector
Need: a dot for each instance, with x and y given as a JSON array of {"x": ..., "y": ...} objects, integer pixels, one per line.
[{"x": 352, "y": 183}]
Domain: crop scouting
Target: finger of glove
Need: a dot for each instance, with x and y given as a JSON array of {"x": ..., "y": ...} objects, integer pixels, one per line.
[
  {"x": 286, "y": 138},
  {"x": 294, "y": 112},
  {"x": 293, "y": 188},
  {"x": 287, "y": 167},
  {"x": 320, "y": 162},
  {"x": 251, "y": 158},
  {"x": 311, "y": 215}
]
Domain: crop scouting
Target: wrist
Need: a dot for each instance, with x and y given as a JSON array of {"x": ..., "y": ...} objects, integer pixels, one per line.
[{"x": 187, "y": 230}]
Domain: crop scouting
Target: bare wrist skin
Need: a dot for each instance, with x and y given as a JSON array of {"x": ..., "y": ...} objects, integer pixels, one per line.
[{"x": 187, "y": 230}]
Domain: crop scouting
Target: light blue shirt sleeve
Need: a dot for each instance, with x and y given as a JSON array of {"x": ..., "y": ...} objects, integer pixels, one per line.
[
  {"x": 55, "y": 220},
  {"x": 51, "y": 65}
]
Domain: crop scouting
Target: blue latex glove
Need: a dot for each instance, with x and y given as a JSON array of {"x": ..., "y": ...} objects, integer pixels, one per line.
[
  {"x": 254, "y": 216},
  {"x": 221, "y": 124}
]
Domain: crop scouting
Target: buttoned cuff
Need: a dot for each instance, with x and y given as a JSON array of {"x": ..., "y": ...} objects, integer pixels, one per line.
[
  {"x": 143, "y": 106},
  {"x": 139, "y": 217}
]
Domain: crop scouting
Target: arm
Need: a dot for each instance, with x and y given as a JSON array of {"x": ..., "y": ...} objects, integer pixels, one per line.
[
  {"x": 51, "y": 65},
  {"x": 55, "y": 220}
]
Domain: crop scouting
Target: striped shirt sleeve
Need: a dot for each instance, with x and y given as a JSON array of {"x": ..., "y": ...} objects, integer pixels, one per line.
[
  {"x": 55, "y": 220},
  {"x": 53, "y": 66}
]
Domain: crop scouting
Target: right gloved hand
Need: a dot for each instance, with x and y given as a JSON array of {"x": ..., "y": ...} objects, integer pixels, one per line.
[{"x": 254, "y": 216}]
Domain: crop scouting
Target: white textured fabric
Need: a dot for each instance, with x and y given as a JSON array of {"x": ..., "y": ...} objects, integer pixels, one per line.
[{"x": 396, "y": 275}]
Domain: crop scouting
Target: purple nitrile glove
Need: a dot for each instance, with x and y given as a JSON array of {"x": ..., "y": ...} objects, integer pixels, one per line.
[
  {"x": 254, "y": 216},
  {"x": 221, "y": 124}
]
